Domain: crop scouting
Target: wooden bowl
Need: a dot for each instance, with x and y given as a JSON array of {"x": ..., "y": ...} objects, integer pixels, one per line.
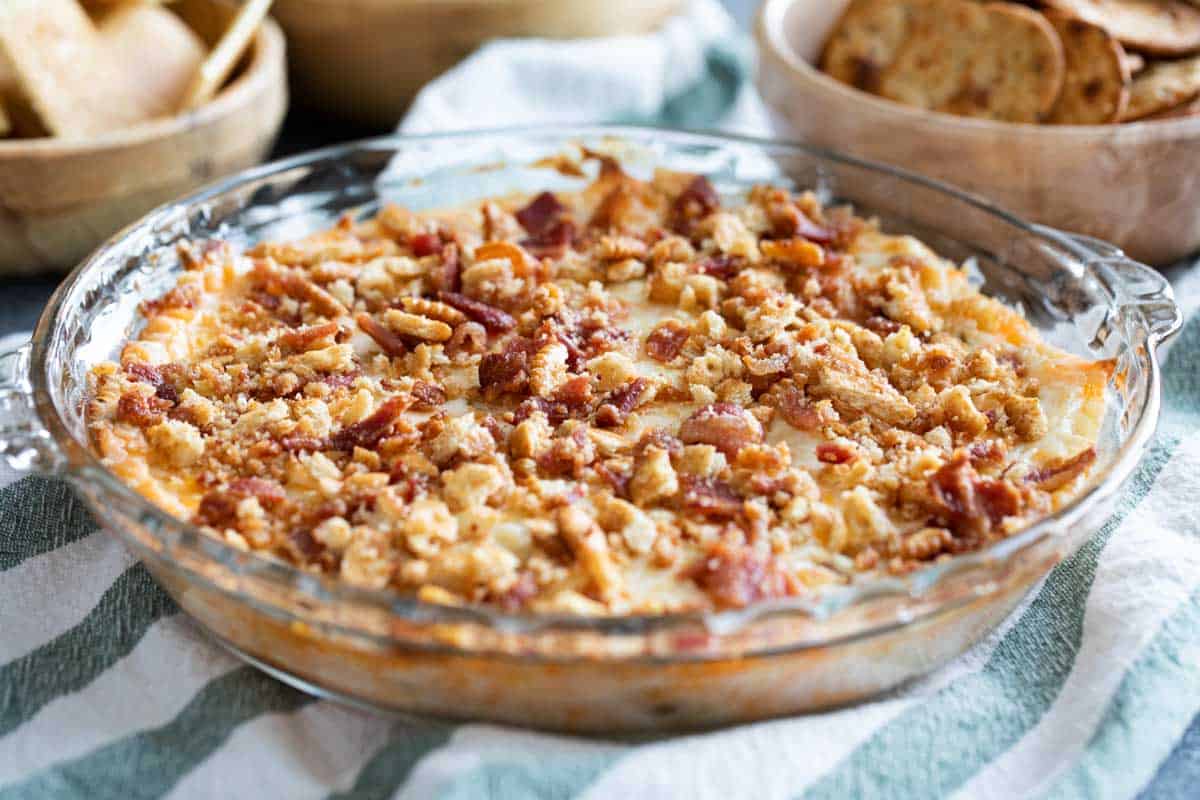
[
  {"x": 60, "y": 198},
  {"x": 366, "y": 59},
  {"x": 1136, "y": 185}
]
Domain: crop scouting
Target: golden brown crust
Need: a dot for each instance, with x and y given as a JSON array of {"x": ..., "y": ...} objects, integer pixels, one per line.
[
  {"x": 1096, "y": 83},
  {"x": 638, "y": 398}
]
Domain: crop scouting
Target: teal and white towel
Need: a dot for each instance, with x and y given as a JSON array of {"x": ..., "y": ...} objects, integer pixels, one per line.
[{"x": 1090, "y": 690}]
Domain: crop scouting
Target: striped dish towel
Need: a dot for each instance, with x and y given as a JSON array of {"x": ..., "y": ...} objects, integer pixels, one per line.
[{"x": 1090, "y": 689}]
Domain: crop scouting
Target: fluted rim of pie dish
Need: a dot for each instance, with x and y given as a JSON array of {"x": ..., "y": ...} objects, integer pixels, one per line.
[{"x": 84, "y": 466}]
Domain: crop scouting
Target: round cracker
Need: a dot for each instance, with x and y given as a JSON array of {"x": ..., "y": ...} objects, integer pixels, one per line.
[
  {"x": 1163, "y": 86},
  {"x": 865, "y": 41},
  {"x": 995, "y": 61},
  {"x": 1096, "y": 83},
  {"x": 1188, "y": 109},
  {"x": 1160, "y": 27}
]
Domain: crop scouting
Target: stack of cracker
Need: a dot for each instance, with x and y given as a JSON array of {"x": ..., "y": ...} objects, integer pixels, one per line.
[
  {"x": 1064, "y": 62},
  {"x": 79, "y": 70}
]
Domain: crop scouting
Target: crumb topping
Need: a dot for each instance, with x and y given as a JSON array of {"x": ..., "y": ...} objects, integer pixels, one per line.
[{"x": 642, "y": 397}]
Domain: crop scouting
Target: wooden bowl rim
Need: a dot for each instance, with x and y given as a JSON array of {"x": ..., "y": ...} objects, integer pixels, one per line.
[
  {"x": 769, "y": 32},
  {"x": 268, "y": 49}
]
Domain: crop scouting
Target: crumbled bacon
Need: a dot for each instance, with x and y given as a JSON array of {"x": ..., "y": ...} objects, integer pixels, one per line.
[
  {"x": 835, "y": 453},
  {"x": 366, "y": 433},
  {"x": 666, "y": 340},
  {"x": 568, "y": 455},
  {"x": 140, "y": 410},
  {"x": 541, "y": 214},
  {"x": 721, "y": 266},
  {"x": 618, "y": 480},
  {"x": 446, "y": 276},
  {"x": 179, "y": 297},
  {"x": 156, "y": 376},
  {"x": 218, "y": 508},
  {"x": 725, "y": 426},
  {"x": 968, "y": 504},
  {"x": 696, "y": 201},
  {"x": 427, "y": 396},
  {"x": 711, "y": 498},
  {"x": 523, "y": 590},
  {"x": 425, "y": 244},
  {"x": 494, "y": 319},
  {"x": 388, "y": 342},
  {"x": 620, "y": 402},
  {"x": 795, "y": 407},
  {"x": 1058, "y": 474},
  {"x": 657, "y": 437},
  {"x": 504, "y": 373},
  {"x": 734, "y": 577}
]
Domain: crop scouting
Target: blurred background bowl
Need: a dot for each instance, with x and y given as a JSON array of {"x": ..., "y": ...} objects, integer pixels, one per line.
[
  {"x": 365, "y": 59},
  {"x": 60, "y": 198},
  {"x": 1135, "y": 185}
]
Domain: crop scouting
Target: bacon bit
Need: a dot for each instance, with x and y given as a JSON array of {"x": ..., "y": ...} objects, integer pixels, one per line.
[
  {"x": 568, "y": 455},
  {"x": 366, "y": 433},
  {"x": 619, "y": 481},
  {"x": 725, "y": 426},
  {"x": 881, "y": 325},
  {"x": 736, "y": 577},
  {"x": 666, "y": 340},
  {"x": 660, "y": 438},
  {"x": 469, "y": 337},
  {"x": 504, "y": 373},
  {"x": 446, "y": 277},
  {"x": 991, "y": 451},
  {"x": 552, "y": 243},
  {"x": 722, "y": 266},
  {"x": 301, "y": 444},
  {"x": 304, "y": 546},
  {"x": 835, "y": 453},
  {"x": 620, "y": 402},
  {"x": 794, "y": 407},
  {"x": 301, "y": 339},
  {"x": 541, "y": 214},
  {"x": 268, "y": 492},
  {"x": 1058, "y": 474},
  {"x": 521, "y": 592},
  {"x": 968, "y": 504},
  {"x": 494, "y": 319},
  {"x": 696, "y": 201},
  {"x": 710, "y": 497},
  {"x": 140, "y": 410},
  {"x": 341, "y": 380},
  {"x": 807, "y": 229},
  {"x": 425, "y": 244},
  {"x": 388, "y": 342},
  {"x": 427, "y": 396},
  {"x": 164, "y": 389},
  {"x": 179, "y": 297},
  {"x": 218, "y": 508}
]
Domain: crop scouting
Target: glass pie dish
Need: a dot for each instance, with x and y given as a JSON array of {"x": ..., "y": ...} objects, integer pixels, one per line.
[{"x": 583, "y": 673}]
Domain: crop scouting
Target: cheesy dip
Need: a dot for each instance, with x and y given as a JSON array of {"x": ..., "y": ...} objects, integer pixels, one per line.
[{"x": 641, "y": 397}]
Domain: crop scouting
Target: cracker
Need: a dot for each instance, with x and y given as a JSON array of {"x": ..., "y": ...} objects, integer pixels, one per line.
[
  {"x": 1096, "y": 83},
  {"x": 1163, "y": 86},
  {"x": 995, "y": 61},
  {"x": 1188, "y": 109},
  {"x": 64, "y": 72},
  {"x": 220, "y": 63},
  {"x": 1159, "y": 27},
  {"x": 1134, "y": 62},
  {"x": 158, "y": 49},
  {"x": 865, "y": 41}
]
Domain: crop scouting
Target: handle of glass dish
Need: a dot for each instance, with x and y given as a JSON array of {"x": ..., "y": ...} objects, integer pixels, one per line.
[
  {"x": 24, "y": 443},
  {"x": 1133, "y": 285}
]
